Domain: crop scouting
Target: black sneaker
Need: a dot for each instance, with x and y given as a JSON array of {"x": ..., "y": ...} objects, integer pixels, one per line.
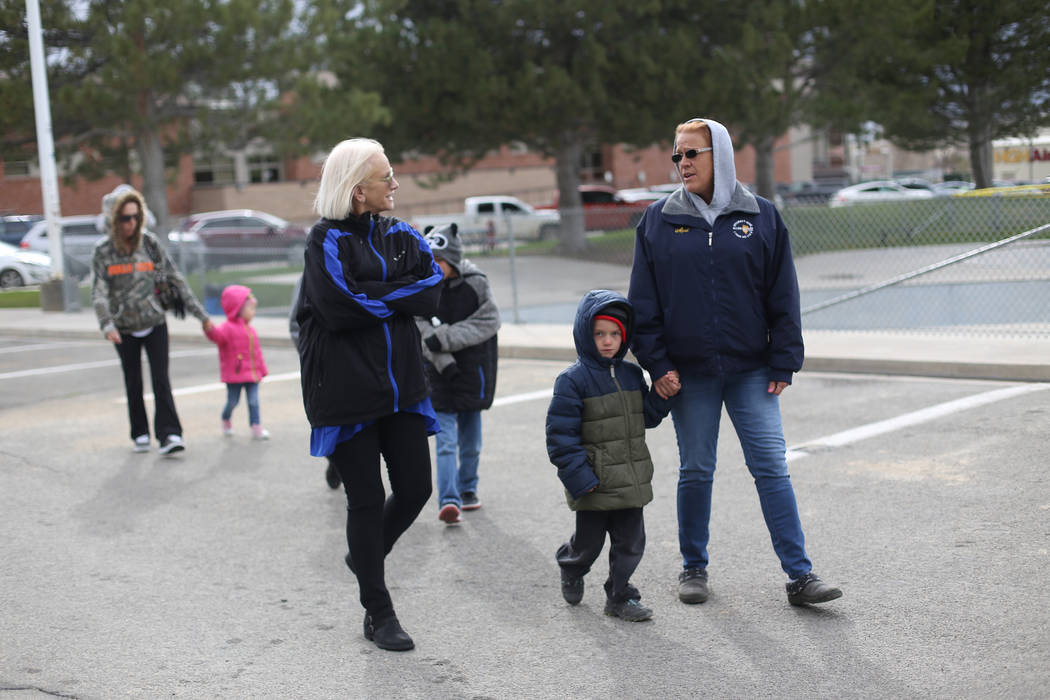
[
  {"x": 470, "y": 500},
  {"x": 630, "y": 610},
  {"x": 331, "y": 475},
  {"x": 692, "y": 586},
  {"x": 572, "y": 589},
  {"x": 170, "y": 444},
  {"x": 809, "y": 590},
  {"x": 389, "y": 635}
]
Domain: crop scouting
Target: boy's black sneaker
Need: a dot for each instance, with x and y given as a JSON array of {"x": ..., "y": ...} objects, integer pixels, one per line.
[
  {"x": 692, "y": 586},
  {"x": 572, "y": 589},
  {"x": 809, "y": 590},
  {"x": 470, "y": 500},
  {"x": 630, "y": 610},
  {"x": 170, "y": 444}
]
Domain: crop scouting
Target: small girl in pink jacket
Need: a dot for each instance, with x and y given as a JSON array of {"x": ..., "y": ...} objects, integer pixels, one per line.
[{"x": 241, "y": 361}]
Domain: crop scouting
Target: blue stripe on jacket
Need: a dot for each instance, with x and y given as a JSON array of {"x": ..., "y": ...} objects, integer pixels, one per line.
[{"x": 335, "y": 269}]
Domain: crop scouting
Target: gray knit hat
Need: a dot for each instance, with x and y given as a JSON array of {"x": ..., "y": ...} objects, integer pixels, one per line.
[{"x": 445, "y": 244}]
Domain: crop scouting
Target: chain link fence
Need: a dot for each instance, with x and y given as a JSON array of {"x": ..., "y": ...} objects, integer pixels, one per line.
[{"x": 976, "y": 266}]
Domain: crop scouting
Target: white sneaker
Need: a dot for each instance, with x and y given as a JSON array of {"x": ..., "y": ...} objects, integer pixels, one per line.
[
  {"x": 172, "y": 443},
  {"x": 260, "y": 433},
  {"x": 142, "y": 443}
]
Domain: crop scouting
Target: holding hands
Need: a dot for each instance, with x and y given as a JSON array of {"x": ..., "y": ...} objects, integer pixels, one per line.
[{"x": 668, "y": 385}]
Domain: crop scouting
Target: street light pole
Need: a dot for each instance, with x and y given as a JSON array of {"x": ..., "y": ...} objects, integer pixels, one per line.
[{"x": 46, "y": 156}]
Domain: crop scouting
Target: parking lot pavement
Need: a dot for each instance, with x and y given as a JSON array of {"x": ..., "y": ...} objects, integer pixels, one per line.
[
  {"x": 219, "y": 573},
  {"x": 908, "y": 353}
]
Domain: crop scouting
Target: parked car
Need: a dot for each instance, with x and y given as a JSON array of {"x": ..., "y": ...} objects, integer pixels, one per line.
[
  {"x": 488, "y": 218},
  {"x": 806, "y": 193},
  {"x": 952, "y": 188},
  {"x": 14, "y": 227},
  {"x": 234, "y": 236},
  {"x": 640, "y": 194},
  {"x": 19, "y": 268},
  {"x": 79, "y": 235},
  {"x": 604, "y": 209},
  {"x": 876, "y": 191}
]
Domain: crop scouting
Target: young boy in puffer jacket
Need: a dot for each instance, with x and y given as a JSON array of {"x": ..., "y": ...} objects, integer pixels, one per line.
[
  {"x": 596, "y": 438},
  {"x": 241, "y": 363}
]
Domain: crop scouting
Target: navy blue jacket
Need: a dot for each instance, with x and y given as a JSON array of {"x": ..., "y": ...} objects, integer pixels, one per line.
[
  {"x": 597, "y": 419},
  {"x": 716, "y": 300},
  {"x": 364, "y": 281}
]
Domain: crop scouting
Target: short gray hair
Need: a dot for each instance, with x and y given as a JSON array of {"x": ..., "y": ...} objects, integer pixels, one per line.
[{"x": 345, "y": 168}]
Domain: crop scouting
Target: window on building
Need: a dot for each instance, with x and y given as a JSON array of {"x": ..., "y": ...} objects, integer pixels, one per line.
[
  {"x": 214, "y": 170},
  {"x": 18, "y": 168},
  {"x": 263, "y": 168}
]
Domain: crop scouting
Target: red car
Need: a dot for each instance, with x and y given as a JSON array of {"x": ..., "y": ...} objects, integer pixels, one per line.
[{"x": 605, "y": 210}]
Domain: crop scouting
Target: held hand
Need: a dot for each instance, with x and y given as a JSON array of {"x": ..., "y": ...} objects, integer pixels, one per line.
[
  {"x": 113, "y": 337},
  {"x": 668, "y": 385},
  {"x": 777, "y": 387},
  {"x": 207, "y": 325}
]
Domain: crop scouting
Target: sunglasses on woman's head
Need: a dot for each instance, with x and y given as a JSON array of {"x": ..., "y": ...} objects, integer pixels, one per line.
[
  {"x": 126, "y": 218},
  {"x": 690, "y": 154}
]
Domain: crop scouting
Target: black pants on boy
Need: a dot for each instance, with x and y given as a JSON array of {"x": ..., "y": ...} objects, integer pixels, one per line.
[
  {"x": 374, "y": 521},
  {"x": 626, "y": 530},
  {"x": 165, "y": 420}
]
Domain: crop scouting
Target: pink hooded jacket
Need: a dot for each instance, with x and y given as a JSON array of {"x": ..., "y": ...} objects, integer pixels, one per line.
[{"x": 240, "y": 357}]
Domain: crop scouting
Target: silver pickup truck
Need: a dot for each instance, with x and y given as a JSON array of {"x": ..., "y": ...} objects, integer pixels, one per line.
[{"x": 487, "y": 221}]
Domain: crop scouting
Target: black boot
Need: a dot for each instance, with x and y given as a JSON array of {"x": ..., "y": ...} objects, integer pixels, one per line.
[{"x": 388, "y": 635}]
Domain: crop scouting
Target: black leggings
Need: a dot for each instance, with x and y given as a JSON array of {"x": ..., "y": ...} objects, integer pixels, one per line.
[{"x": 374, "y": 521}]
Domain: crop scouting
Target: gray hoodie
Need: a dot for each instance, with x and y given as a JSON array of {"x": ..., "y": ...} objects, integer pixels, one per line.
[{"x": 724, "y": 174}]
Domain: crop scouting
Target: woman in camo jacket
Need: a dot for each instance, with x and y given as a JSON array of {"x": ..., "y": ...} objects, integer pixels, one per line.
[{"x": 127, "y": 265}]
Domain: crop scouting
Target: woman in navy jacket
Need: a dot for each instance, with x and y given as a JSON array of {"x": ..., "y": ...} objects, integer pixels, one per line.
[
  {"x": 717, "y": 310},
  {"x": 365, "y": 279}
]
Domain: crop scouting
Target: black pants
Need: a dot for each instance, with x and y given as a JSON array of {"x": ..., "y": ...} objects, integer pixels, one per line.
[
  {"x": 165, "y": 419},
  {"x": 626, "y": 530},
  {"x": 373, "y": 520}
]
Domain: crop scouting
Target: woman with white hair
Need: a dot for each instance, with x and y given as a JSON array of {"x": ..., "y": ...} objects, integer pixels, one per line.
[{"x": 366, "y": 278}]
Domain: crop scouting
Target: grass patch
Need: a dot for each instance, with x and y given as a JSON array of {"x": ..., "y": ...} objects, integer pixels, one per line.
[{"x": 20, "y": 298}]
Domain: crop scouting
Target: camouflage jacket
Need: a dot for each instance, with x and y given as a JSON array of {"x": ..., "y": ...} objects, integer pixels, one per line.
[{"x": 123, "y": 288}]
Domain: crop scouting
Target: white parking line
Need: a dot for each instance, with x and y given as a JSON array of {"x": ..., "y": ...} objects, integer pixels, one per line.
[
  {"x": 214, "y": 386},
  {"x": 44, "y": 346},
  {"x": 924, "y": 415},
  {"x": 57, "y": 369}
]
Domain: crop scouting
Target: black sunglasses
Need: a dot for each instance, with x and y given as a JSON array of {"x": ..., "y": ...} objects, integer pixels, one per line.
[
  {"x": 125, "y": 218},
  {"x": 690, "y": 154}
]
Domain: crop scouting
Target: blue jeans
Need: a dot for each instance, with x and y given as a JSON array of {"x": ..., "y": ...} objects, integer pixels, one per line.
[
  {"x": 459, "y": 431},
  {"x": 251, "y": 395},
  {"x": 756, "y": 416}
]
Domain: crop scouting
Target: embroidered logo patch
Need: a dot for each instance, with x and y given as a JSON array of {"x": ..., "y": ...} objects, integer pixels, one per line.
[
  {"x": 682, "y": 229},
  {"x": 743, "y": 229}
]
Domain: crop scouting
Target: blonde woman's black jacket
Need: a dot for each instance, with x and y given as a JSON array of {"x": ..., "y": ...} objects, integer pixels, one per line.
[{"x": 365, "y": 279}]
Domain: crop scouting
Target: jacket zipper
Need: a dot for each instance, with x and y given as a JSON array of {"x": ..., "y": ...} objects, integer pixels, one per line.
[
  {"x": 251, "y": 356},
  {"x": 626, "y": 420}
]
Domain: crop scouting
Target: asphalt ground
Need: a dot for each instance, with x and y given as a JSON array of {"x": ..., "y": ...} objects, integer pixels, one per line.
[{"x": 218, "y": 573}]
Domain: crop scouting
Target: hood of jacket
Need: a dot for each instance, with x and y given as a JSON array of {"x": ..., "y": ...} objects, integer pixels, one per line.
[
  {"x": 232, "y": 299},
  {"x": 111, "y": 202},
  {"x": 591, "y": 305},
  {"x": 729, "y": 195}
]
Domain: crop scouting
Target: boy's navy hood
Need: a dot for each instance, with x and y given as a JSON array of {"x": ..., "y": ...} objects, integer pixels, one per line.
[{"x": 591, "y": 305}]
